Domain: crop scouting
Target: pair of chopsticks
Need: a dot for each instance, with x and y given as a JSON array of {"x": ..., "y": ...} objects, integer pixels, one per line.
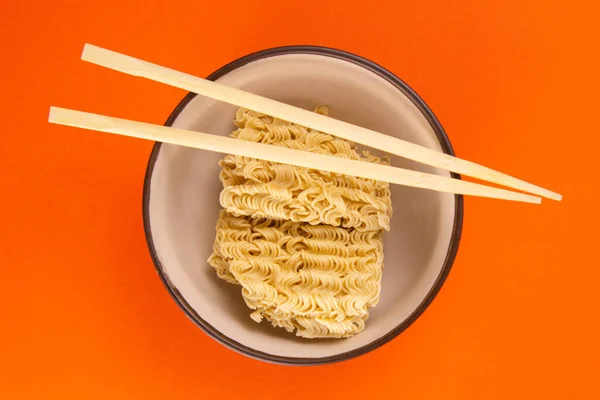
[{"x": 220, "y": 144}]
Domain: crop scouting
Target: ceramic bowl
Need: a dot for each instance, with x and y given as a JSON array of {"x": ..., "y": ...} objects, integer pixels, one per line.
[{"x": 181, "y": 202}]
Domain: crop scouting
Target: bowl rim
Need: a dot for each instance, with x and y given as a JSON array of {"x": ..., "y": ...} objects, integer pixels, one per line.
[{"x": 454, "y": 240}]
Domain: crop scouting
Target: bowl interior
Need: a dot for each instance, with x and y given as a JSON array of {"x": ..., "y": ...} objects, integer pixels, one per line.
[{"x": 184, "y": 201}]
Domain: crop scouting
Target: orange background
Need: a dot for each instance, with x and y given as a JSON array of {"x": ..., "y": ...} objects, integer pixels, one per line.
[{"x": 514, "y": 83}]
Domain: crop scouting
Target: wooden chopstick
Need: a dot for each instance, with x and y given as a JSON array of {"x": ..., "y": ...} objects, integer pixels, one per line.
[
  {"x": 276, "y": 154},
  {"x": 137, "y": 67}
]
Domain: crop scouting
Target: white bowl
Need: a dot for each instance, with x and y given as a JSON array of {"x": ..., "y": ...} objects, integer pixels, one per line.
[{"x": 181, "y": 201}]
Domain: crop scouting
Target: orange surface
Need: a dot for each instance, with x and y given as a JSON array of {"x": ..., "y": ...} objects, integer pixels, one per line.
[{"x": 84, "y": 315}]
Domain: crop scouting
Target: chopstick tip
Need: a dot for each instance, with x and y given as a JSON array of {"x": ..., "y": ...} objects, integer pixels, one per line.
[
  {"x": 85, "y": 51},
  {"x": 530, "y": 199},
  {"x": 51, "y": 114}
]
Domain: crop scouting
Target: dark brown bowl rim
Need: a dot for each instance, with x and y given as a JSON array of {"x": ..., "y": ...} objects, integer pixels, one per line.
[{"x": 450, "y": 256}]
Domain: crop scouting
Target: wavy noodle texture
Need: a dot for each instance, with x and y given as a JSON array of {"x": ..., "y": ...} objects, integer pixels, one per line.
[
  {"x": 304, "y": 245},
  {"x": 260, "y": 188},
  {"x": 317, "y": 280}
]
